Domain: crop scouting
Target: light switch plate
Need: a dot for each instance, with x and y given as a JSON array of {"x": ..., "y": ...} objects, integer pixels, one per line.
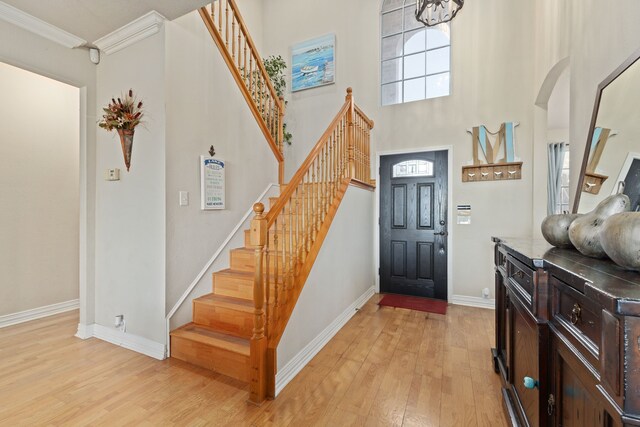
[
  {"x": 184, "y": 198},
  {"x": 112, "y": 174}
]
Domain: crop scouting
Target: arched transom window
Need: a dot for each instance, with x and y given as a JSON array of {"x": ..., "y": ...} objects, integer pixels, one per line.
[
  {"x": 416, "y": 60},
  {"x": 411, "y": 168}
]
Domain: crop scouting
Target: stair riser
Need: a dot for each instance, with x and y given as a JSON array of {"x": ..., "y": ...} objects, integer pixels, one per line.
[
  {"x": 244, "y": 261},
  {"x": 233, "y": 286},
  {"x": 216, "y": 359},
  {"x": 234, "y": 322}
]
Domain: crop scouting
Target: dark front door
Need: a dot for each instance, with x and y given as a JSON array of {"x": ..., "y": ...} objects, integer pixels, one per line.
[{"x": 413, "y": 224}]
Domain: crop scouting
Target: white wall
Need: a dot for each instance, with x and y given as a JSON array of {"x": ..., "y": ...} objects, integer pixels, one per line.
[
  {"x": 343, "y": 272},
  {"x": 205, "y": 107},
  {"x": 31, "y": 52},
  {"x": 491, "y": 83},
  {"x": 39, "y": 219},
  {"x": 130, "y": 213}
]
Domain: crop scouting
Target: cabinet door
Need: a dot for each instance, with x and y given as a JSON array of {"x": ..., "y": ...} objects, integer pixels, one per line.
[
  {"x": 524, "y": 361},
  {"x": 574, "y": 393},
  {"x": 502, "y": 327}
]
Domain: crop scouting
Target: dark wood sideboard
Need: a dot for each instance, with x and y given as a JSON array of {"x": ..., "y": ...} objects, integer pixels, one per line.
[{"x": 567, "y": 337}]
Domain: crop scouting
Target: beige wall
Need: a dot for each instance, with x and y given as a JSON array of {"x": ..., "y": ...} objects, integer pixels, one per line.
[
  {"x": 130, "y": 213},
  {"x": 149, "y": 249},
  {"x": 492, "y": 77},
  {"x": 72, "y": 66},
  {"x": 39, "y": 218},
  {"x": 197, "y": 76},
  {"x": 342, "y": 273}
]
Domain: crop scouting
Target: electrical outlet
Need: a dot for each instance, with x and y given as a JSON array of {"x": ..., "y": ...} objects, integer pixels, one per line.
[
  {"x": 119, "y": 320},
  {"x": 485, "y": 293}
]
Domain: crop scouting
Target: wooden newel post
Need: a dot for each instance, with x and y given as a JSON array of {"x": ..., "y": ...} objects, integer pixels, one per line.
[
  {"x": 351, "y": 133},
  {"x": 257, "y": 376}
]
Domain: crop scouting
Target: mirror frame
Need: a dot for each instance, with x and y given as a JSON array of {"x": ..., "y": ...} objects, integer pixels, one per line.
[{"x": 635, "y": 56}]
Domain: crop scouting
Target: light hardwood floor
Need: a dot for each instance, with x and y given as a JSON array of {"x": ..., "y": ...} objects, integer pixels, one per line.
[{"x": 385, "y": 367}]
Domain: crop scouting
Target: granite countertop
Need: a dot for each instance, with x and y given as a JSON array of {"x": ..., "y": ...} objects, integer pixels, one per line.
[{"x": 614, "y": 287}]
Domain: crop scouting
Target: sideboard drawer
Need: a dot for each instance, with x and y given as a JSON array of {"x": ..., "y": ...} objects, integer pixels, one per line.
[
  {"x": 579, "y": 317},
  {"x": 523, "y": 278},
  {"x": 501, "y": 259}
]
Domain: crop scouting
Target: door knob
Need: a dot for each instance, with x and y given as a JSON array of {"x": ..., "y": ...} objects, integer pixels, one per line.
[
  {"x": 530, "y": 383},
  {"x": 441, "y": 233}
]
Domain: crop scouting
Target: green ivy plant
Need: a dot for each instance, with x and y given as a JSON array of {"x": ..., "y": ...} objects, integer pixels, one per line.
[{"x": 275, "y": 67}]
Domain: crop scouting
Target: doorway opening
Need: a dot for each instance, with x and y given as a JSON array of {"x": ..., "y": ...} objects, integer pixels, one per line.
[{"x": 40, "y": 219}]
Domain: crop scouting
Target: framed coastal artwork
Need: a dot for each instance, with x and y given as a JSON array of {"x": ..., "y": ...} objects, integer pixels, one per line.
[{"x": 313, "y": 63}]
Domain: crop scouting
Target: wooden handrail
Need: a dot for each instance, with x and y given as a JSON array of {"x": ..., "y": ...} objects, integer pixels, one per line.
[
  {"x": 288, "y": 239},
  {"x": 364, "y": 116},
  {"x": 252, "y": 46},
  {"x": 276, "y": 209},
  {"x": 239, "y": 52}
]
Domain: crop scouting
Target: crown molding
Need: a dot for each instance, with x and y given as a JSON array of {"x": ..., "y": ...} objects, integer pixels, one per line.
[
  {"x": 38, "y": 26},
  {"x": 143, "y": 27}
]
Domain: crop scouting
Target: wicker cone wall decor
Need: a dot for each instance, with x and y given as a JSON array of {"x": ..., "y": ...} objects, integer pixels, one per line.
[{"x": 126, "y": 141}]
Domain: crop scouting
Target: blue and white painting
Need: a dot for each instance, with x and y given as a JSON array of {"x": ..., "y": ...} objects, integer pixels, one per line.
[{"x": 313, "y": 63}]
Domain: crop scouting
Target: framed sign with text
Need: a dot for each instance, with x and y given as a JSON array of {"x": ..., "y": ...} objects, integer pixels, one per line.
[{"x": 212, "y": 183}]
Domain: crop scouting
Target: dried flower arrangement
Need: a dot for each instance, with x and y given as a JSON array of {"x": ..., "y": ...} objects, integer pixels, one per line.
[{"x": 123, "y": 113}]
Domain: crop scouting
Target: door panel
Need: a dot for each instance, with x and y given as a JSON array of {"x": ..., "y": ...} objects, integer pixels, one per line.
[
  {"x": 399, "y": 212},
  {"x": 425, "y": 260},
  {"x": 425, "y": 206},
  {"x": 399, "y": 257},
  {"x": 413, "y": 228}
]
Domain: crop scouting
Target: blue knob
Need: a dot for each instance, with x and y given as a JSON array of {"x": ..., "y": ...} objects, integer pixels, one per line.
[{"x": 530, "y": 382}]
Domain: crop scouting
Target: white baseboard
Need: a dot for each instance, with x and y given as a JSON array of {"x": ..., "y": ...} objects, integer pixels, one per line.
[
  {"x": 123, "y": 339},
  {"x": 473, "y": 301},
  {"x": 84, "y": 331},
  {"x": 300, "y": 360},
  {"x": 38, "y": 313}
]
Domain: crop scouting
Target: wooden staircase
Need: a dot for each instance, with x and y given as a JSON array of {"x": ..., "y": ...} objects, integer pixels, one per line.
[
  {"x": 236, "y": 329},
  {"x": 219, "y": 336}
]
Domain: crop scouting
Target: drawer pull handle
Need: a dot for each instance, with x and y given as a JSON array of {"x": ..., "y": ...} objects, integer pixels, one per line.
[
  {"x": 576, "y": 312},
  {"x": 519, "y": 274},
  {"x": 530, "y": 383}
]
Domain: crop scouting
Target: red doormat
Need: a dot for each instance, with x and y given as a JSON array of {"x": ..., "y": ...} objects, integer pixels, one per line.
[{"x": 414, "y": 303}]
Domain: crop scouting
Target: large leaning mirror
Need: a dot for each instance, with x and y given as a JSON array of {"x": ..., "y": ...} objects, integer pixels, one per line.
[{"x": 612, "y": 153}]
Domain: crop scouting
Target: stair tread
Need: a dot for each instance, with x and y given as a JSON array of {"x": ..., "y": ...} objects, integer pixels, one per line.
[
  {"x": 208, "y": 336},
  {"x": 240, "y": 304}
]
